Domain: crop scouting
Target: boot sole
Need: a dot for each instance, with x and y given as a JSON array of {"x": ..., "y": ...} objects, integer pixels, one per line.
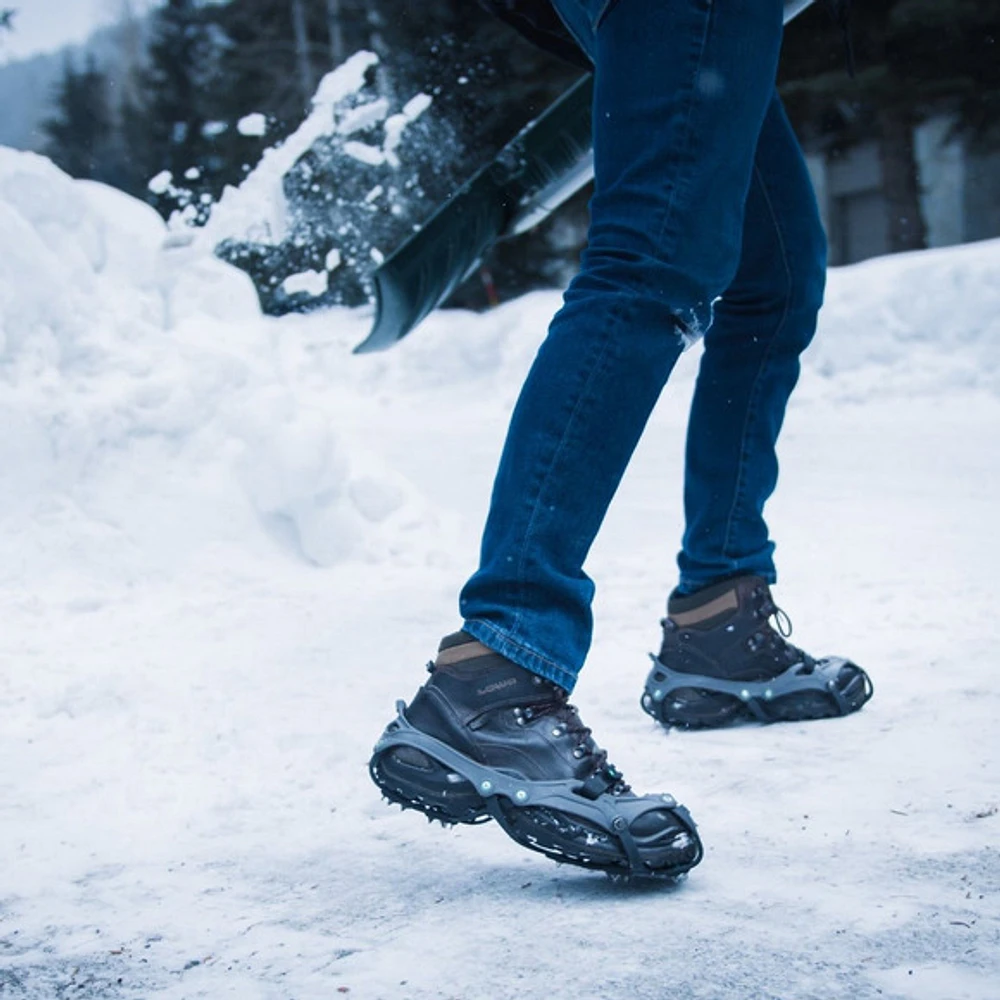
[{"x": 678, "y": 700}]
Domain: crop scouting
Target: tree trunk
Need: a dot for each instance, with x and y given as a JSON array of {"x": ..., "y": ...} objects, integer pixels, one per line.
[
  {"x": 336, "y": 32},
  {"x": 901, "y": 180},
  {"x": 131, "y": 46},
  {"x": 306, "y": 82},
  {"x": 376, "y": 42}
]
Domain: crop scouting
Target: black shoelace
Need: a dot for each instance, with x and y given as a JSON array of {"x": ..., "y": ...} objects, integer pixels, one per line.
[
  {"x": 777, "y": 635},
  {"x": 603, "y": 775}
]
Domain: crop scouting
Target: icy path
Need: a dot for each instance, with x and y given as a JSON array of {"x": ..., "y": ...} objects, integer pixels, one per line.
[{"x": 185, "y": 810}]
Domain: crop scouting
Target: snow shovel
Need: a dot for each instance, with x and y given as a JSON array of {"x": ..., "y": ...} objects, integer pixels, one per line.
[{"x": 539, "y": 169}]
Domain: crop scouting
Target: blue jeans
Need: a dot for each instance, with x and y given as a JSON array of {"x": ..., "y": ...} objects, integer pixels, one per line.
[{"x": 703, "y": 224}]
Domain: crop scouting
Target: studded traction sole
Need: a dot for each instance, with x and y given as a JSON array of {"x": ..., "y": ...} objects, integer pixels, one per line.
[
  {"x": 824, "y": 689},
  {"x": 417, "y": 771}
]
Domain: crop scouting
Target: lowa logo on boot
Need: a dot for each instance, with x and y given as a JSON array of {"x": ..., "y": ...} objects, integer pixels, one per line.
[{"x": 498, "y": 686}]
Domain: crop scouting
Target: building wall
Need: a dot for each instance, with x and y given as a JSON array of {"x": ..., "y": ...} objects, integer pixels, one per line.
[
  {"x": 960, "y": 193},
  {"x": 816, "y": 164},
  {"x": 982, "y": 196},
  {"x": 855, "y": 207},
  {"x": 942, "y": 163}
]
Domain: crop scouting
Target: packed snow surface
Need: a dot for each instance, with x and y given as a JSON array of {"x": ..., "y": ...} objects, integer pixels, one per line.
[{"x": 227, "y": 546}]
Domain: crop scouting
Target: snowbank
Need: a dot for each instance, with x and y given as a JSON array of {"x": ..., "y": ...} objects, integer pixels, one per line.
[
  {"x": 153, "y": 413},
  {"x": 926, "y": 322},
  {"x": 147, "y": 408},
  {"x": 912, "y": 324}
]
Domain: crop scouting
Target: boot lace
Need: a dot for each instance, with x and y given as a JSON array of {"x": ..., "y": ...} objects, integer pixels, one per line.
[
  {"x": 775, "y": 636},
  {"x": 603, "y": 776}
]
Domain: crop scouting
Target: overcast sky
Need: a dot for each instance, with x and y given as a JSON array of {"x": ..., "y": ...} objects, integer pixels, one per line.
[{"x": 44, "y": 25}]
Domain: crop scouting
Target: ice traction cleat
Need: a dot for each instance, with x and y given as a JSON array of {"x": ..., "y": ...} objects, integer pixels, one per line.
[
  {"x": 595, "y": 823},
  {"x": 726, "y": 656},
  {"x": 820, "y": 689}
]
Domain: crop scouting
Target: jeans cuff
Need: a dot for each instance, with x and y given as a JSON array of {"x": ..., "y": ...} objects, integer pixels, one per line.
[
  {"x": 517, "y": 652},
  {"x": 690, "y": 584}
]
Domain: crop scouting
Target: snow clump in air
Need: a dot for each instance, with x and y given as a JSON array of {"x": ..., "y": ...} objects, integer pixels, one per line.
[
  {"x": 252, "y": 125},
  {"x": 339, "y": 182}
]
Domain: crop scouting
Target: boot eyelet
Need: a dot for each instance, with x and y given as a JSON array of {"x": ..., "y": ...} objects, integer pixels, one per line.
[{"x": 578, "y": 752}]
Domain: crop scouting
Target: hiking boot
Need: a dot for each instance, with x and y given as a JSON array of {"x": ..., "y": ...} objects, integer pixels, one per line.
[
  {"x": 485, "y": 738},
  {"x": 722, "y": 660}
]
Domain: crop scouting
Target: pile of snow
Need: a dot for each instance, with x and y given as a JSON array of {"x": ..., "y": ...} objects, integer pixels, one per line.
[{"x": 151, "y": 412}]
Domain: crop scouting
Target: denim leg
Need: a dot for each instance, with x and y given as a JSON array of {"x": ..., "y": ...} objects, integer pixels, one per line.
[
  {"x": 764, "y": 321},
  {"x": 681, "y": 91}
]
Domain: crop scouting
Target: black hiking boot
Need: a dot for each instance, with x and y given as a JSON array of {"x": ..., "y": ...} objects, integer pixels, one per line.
[
  {"x": 485, "y": 738},
  {"x": 722, "y": 660}
]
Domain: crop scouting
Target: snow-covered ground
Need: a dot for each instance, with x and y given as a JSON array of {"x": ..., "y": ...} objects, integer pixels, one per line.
[{"x": 227, "y": 546}]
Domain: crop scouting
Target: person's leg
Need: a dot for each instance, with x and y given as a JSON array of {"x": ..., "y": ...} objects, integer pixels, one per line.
[
  {"x": 682, "y": 87},
  {"x": 681, "y": 91},
  {"x": 721, "y": 657},
  {"x": 764, "y": 321}
]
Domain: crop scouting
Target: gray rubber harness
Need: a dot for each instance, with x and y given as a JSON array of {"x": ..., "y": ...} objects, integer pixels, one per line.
[
  {"x": 613, "y": 814},
  {"x": 757, "y": 696}
]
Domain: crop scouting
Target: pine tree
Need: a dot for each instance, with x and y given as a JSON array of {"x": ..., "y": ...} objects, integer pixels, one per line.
[
  {"x": 165, "y": 123},
  {"x": 79, "y": 136},
  {"x": 272, "y": 55},
  {"x": 335, "y": 29},
  {"x": 948, "y": 52},
  {"x": 130, "y": 129}
]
